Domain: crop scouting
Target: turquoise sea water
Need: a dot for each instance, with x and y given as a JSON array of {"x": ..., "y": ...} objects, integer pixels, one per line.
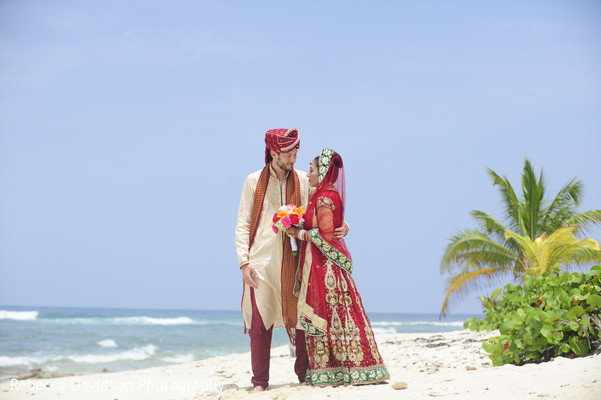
[{"x": 88, "y": 340}]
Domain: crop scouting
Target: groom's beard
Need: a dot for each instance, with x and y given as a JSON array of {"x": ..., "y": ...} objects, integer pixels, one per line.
[{"x": 286, "y": 167}]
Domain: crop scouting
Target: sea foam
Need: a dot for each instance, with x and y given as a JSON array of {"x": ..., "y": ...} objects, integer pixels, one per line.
[
  {"x": 179, "y": 359},
  {"x": 135, "y": 354},
  {"x": 152, "y": 321},
  {"x": 19, "y": 315},
  {"x": 13, "y": 361},
  {"x": 107, "y": 343},
  {"x": 142, "y": 320},
  {"x": 384, "y": 330}
]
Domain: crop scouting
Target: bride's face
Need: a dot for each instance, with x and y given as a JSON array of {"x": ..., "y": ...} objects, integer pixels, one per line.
[{"x": 312, "y": 174}]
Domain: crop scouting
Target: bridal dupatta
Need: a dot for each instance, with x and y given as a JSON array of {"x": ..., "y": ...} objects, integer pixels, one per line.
[{"x": 340, "y": 340}]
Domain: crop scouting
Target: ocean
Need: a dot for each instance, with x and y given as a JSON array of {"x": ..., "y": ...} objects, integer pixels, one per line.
[{"x": 90, "y": 340}]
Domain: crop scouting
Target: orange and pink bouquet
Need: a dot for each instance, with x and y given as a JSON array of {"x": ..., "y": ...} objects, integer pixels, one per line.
[{"x": 287, "y": 216}]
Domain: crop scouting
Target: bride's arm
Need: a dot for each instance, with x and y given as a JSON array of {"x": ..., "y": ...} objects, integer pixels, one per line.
[
  {"x": 325, "y": 221},
  {"x": 325, "y": 218}
]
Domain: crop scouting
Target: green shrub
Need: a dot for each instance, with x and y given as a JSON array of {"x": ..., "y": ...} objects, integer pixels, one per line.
[{"x": 548, "y": 316}]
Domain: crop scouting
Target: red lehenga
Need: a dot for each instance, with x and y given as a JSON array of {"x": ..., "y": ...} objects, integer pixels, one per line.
[{"x": 340, "y": 342}]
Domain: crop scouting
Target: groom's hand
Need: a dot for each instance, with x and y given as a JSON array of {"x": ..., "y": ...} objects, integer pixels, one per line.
[
  {"x": 292, "y": 231},
  {"x": 247, "y": 272},
  {"x": 341, "y": 231}
]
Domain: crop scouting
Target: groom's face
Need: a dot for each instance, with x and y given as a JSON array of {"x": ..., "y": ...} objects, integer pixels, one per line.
[{"x": 286, "y": 161}]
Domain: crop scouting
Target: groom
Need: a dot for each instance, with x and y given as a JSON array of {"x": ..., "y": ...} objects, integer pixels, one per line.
[{"x": 266, "y": 260}]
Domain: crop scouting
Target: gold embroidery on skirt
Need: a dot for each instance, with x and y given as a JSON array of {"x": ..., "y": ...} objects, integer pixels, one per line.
[
  {"x": 330, "y": 279},
  {"x": 343, "y": 283},
  {"x": 353, "y": 341},
  {"x": 339, "y": 350},
  {"x": 337, "y": 336},
  {"x": 373, "y": 348},
  {"x": 332, "y": 298},
  {"x": 351, "y": 327},
  {"x": 321, "y": 354},
  {"x": 356, "y": 352},
  {"x": 336, "y": 324}
]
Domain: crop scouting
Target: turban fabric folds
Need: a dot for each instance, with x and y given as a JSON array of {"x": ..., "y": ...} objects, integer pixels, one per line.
[{"x": 281, "y": 141}]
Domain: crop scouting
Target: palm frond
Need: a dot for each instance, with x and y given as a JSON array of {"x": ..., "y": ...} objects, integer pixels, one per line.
[
  {"x": 488, "y": 223},
  {"x": 584, "y": 221},
  {"x": 533, "y": 190},
  {"x": 524, "y": 241},
  {"x": 562, "y": 207},
  {"x": 587, "y": 257},
  {"x": 472, "y": 248},
  {"x": 579, "y": 252},
  {"x": 461, "y": 283},
  {"x": 491, "y": 225},
  {"x": 510, "y": 200},
  {"x": 560, "y": 248}
]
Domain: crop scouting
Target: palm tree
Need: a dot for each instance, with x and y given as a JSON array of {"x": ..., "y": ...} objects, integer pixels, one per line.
[{"x": 476, "y": 256}]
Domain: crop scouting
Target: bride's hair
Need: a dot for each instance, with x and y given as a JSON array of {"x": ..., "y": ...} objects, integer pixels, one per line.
[{"x": 337, "y": 160}]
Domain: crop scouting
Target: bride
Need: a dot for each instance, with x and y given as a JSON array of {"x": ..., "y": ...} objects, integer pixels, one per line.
[{"x": 340, "y": 342}]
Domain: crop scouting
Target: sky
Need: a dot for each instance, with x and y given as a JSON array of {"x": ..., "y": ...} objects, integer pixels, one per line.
[{"x": 127, "y": 129}]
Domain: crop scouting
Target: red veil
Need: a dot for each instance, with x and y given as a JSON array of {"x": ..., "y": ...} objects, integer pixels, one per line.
[{"x": 331, "y": 185}]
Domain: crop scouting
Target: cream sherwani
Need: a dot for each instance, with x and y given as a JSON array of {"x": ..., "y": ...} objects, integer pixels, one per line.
[{"x": 265, "y": 256}]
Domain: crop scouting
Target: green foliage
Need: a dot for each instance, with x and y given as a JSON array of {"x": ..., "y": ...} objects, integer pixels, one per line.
[
  {"x": 526, "y": 240},
  {"x": 548, "y": 316}
]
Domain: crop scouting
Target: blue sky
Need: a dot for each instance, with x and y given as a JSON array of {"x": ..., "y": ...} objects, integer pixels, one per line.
[{"x": 127, "y": 128}]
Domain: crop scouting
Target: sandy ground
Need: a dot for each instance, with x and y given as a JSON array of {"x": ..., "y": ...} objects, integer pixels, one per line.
[{"x": 448, "y": 365}]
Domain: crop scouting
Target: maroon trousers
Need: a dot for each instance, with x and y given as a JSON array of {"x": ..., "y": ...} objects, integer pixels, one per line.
[{"x": 260, "y": 349}]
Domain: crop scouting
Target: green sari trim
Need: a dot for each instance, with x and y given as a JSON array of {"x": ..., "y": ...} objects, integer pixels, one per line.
[
  {"x": 309, "y": 328},
  {"x": 330, "y": 252},
  {"x": 348, "y": 376}
]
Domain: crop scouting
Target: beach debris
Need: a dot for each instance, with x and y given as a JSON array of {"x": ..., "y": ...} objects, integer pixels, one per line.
[
  {"x": 223, "y": 374},
  {"x": 38, "y": 373},
  {"x": 229, "y": 386},
  {"x": 399, "y": 385},
  {"x": 470, "y": 368},
  {"x": 280, "y": 396},
  {"x": 440, "y": 391},
  {"x": 434, "y": 341}
]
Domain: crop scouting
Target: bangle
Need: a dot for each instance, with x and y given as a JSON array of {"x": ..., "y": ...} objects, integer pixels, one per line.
[{"x": 301, "y": 234}]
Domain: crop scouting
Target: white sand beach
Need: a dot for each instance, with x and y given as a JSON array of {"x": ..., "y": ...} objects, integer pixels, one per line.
[{"x": 448, "y": 365}]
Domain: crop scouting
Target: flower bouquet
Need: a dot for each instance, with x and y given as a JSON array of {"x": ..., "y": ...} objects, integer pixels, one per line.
[{"x": 287, "y": 216}]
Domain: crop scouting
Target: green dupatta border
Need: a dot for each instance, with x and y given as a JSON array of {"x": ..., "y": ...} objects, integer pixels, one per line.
[{"x": 338, "y": 257}]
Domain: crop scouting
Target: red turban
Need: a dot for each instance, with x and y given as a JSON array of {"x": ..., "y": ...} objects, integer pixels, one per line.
[{"x": 281, "y": 141}]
